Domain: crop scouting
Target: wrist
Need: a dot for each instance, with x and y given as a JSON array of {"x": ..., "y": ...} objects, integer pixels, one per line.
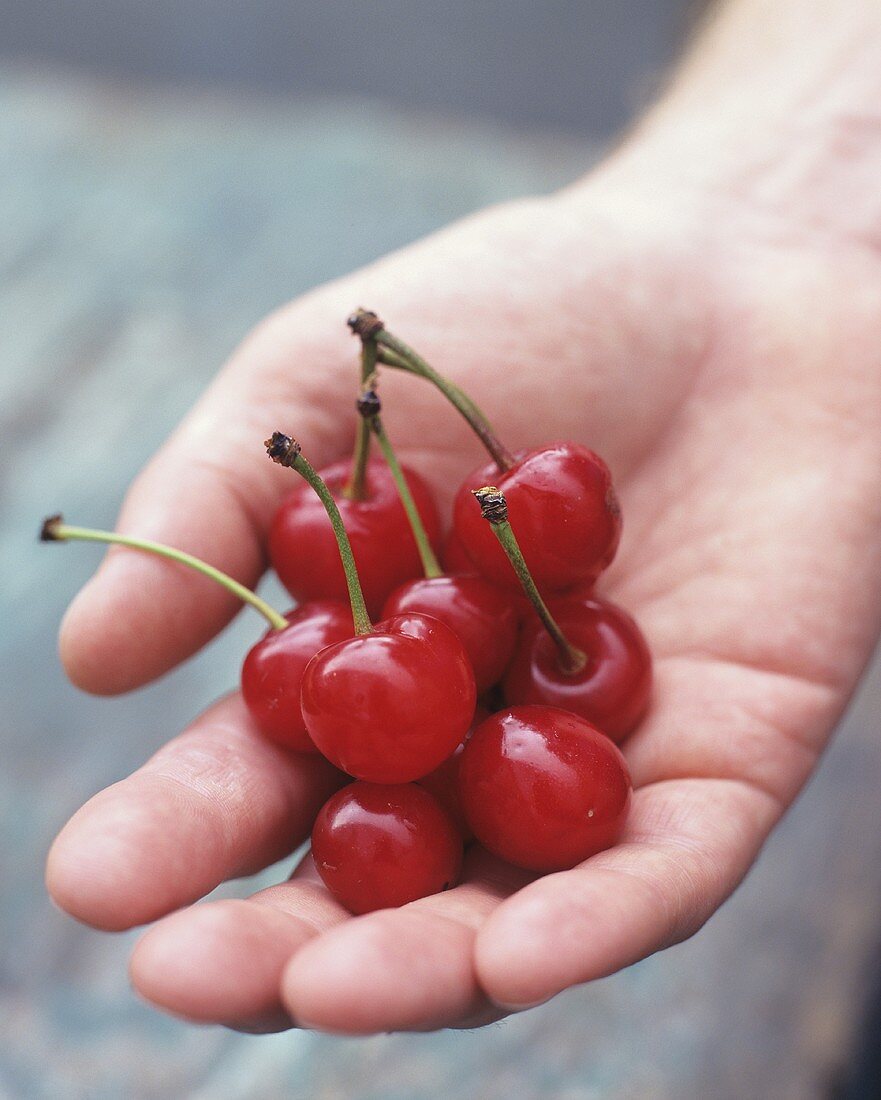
[{"x": 787, "y": 125}]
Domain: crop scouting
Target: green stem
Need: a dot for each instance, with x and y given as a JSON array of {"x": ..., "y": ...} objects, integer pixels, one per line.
[
  {"x": 495, "y": 510},
  {"x": 449, "y": 389},
  {"x": 369, "y": 407},
  {"x": 286, "y": 452},
  {"x": 395, "y": 353},
  {"x": 56, "y": 530},
  {"x": 356, "y": 488}
]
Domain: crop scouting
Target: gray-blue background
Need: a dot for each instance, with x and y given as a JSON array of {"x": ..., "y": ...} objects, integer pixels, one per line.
[{"x": 581, "y": 65}]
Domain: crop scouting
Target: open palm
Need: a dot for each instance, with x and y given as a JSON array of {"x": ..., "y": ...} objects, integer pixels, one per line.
[{"x": 726, "y": 366}]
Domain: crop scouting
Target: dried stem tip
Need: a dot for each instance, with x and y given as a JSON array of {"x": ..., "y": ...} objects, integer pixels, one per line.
[
  {"x": 365, "y": 323},
  {"x": 49, "y": 528},
  {"x": 368, "y": 404},
  {"x": 492, "y": 503},
  {"x": 282, "y": 449}
]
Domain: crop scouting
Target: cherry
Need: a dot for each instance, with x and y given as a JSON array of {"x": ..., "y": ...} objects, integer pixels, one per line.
[
  {"x": 302, "y": 548},
  {"x": 482, "y": 615},
  {"x": 378, "y": 846},
  {"x": 443, "y": 782},
  {"x": 611, "y": 690},
  {"x": 543, "y": 788},
  {"x": 390, "y": 705},
  {"x": 273, "y": 669},
  {"x": 565, "y": 510},
  {"x": 455, "y": 557},
  {"x": 581, "y": 652}
]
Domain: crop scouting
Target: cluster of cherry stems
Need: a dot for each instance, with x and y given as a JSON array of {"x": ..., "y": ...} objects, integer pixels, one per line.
[{"x": 487, "y": 700}]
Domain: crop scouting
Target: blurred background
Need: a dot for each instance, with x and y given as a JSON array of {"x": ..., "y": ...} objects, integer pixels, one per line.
[{"x": 169, "y": 172}]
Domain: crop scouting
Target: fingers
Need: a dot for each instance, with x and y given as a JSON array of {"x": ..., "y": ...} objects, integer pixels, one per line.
[
  {"x": 221, "y": 962},
  {"x": 210, "y": 491},
  {"x": 290, "y": 954},
  {"x": 464, "y": 957},
  {"x": 402, "y": 969},
  {"x": 688, "y": 844},
  {"x": 450, "y": 960},
  {"x": 217, "y": 802}
]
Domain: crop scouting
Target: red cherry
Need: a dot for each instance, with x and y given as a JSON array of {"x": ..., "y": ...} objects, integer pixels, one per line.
[
  {"x": 443, "y": 782},
  {"x": 611, "y": 691},
  {"x": 304, "y": 552},
  {"x": 379, "y": 846},
  {"x": 480, "y": 614},
  {"x": 563, "y": 509},
  {"x": 543, "y": 788},
  {"x": 273, "y": 669},
  {"x": 389, "y": 706}
]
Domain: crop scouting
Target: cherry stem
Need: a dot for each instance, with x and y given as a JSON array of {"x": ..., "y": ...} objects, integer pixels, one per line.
[
  {"x": 355, "y": 488},
  {"x": 369, "y": 406},
  {"x": 495, "y": 510},
  {"x": 286, "y": 452},
  {"x": 56, "y": 530},
  {"x": 395, "y": 353}
]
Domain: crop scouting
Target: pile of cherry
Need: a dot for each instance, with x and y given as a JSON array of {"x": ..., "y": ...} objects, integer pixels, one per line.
[{"x": 483, "y": 700}]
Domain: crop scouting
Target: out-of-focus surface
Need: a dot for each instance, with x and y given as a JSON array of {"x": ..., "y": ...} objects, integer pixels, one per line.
[
  {"x": 140, "y": 236},
  {"x": 583, "y": 66}
]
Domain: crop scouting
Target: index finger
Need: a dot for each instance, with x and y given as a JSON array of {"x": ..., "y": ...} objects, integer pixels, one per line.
[
  {"x": 218, "y": 802},
  {"x": 211, "y": 492}
]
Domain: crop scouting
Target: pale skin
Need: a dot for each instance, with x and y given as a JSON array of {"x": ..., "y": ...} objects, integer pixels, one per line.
[{"x": 705, "y": 311}]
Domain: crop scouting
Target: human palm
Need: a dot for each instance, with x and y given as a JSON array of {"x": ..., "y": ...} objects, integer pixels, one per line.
[{"x": 725, "y": 365}]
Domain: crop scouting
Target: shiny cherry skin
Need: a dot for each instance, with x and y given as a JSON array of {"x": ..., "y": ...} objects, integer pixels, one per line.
[
  {"x": 389, "y": 706},
  {"x": 272, "y": 671},
  {"x": 304, "y": 553},
  {"x": 612, "y": 690},
  {"x": 443, "y": 782},
  {"x": 480, "y": 613},
  {"x": 379, "y": 846},
  {"x": 455, "y": 557},
  {"x": 563, "y": 510},
  {"x": 543, "y": 788}
]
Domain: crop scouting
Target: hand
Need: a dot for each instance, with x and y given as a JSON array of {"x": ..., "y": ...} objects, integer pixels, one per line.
[{"x": 723, "y": 356}]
